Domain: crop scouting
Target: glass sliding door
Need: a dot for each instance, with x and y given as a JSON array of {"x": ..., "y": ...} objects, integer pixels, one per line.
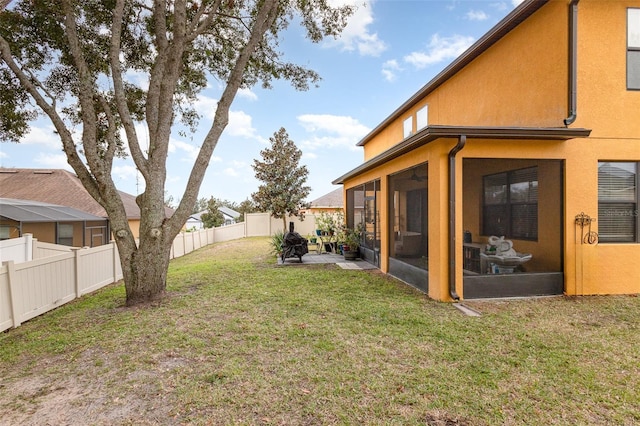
[{"x": 409, "y": 216}]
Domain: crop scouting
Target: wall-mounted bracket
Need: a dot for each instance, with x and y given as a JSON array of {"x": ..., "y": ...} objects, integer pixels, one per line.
[{"x": 584, "y": 221}]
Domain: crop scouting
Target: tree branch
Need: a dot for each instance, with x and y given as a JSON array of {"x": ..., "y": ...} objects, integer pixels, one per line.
[
  {"x": 265, "y": 18},
  {"x": 119, "y": 90},
  {"x": 86, "y": 89},
  {"x": 73, "y": 158}
]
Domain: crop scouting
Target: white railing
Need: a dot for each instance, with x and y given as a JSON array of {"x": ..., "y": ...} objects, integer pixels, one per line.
[{"x": 52, "y": 275}]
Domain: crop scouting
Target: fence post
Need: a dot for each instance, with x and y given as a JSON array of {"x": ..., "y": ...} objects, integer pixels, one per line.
[
  {"x": 28, "y": 247},
  {"x": 114, "y": 265},
  {"x": 13, "y": 297},
  {"x": 76, "y": 260}
]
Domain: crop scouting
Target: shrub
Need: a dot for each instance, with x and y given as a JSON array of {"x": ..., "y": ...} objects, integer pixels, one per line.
[{"x": 276, "y": 243}]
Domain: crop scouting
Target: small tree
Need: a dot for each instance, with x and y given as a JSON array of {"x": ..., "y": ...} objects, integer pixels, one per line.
[
  {"x": 213, "y": 217},
  {"x": 283, "y": 191}
]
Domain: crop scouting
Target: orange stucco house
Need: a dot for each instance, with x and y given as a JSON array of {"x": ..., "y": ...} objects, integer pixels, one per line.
[{"x": 528, "y": 143}]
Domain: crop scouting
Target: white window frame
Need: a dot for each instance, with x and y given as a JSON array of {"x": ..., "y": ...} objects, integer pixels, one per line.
[
  {"x": 633, "y": 49},
  {"x": 407, "y": 127},
  {"x": 422, "y": 117}
]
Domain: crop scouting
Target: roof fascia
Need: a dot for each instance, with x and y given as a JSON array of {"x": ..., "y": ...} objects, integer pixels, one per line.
[
  {"x": 508, "y": 23},
  {"x": 432, "y": 133}
]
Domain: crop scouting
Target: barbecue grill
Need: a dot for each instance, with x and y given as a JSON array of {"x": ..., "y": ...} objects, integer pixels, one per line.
[{"x": 293, "y": 245}]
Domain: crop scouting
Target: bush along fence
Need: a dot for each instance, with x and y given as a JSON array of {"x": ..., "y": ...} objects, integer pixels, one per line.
[{"x": 40, "y": 276}]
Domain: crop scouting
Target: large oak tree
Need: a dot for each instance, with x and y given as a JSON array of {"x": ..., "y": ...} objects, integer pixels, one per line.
[{"x": 69, "y": 60}]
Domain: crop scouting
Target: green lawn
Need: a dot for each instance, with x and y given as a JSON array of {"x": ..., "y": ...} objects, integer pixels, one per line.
[{"x": 239, "y": 340}]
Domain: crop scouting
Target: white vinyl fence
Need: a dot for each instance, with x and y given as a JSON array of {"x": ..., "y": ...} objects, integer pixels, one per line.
[{"x": 42, "y": 276}]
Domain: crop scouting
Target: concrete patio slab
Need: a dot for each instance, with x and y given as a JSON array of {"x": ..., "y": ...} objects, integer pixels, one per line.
[{"x": 328, "y": 258}]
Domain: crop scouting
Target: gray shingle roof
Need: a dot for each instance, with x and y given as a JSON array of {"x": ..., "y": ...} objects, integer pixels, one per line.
[
  {"x": 331, "y": 200},
  {"x": 34, "y": 211}
]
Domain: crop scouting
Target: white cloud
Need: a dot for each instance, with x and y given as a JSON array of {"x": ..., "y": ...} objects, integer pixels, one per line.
[
  {"x": 356, "y": 35},
  {"x": 206, "y": 107},
  {"x": 309, "y": 155},
  {"x": 477, "y": 15},
  {"x": 231, "y": 172},
  {"x": 247, "y": 94},
  {"x": 124, "y": 172},
  {"x": 190, "y": 151},
  {"x": 331, "y": 131},
  {"x": 389, "y": 69},
  {"x": 49, "y": 161},
  {"x": 138, "y": 78},
  {"x": 499, "y": 6},
  {"x": 42, "y": 136},
  {"x": 516, "y": 2},
  {"x": 440, "y": 49},
  {"x": 240, "y": 123},
  {"x": 238, "y": 169}
]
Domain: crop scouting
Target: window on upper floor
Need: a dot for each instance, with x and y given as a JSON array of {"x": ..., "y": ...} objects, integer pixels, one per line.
[
  {"x": 633, "y": 49},
  {"x": 618, "y": 202},
  {"x": 510, "y": 204},
  {"x": 422, "y": 117},
  {"x": 407, "y": 127}
]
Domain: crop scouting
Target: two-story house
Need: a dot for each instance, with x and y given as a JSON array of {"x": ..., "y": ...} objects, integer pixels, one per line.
[{"x": 515, "y": 170}]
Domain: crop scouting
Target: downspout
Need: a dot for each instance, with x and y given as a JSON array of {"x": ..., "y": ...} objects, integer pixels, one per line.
[
  {"x": 452, "y": 216},
  {"x": 573, "y": 62}
]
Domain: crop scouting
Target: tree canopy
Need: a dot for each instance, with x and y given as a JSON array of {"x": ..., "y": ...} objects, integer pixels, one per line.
[
  {"x": 77, "y": 62},
  {"x": 283, "y": 191}
]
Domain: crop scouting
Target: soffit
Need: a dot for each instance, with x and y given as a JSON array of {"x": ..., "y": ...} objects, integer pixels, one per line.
[{"x": 431, "y": 133}]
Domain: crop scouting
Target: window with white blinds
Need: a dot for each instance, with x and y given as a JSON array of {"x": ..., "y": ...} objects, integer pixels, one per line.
[
  {"x": 510, "y": 204},
  {"x": 618, "y": 202}
]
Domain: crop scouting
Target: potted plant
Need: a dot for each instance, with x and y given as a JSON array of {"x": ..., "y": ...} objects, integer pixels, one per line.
[
  {"x": 325, "y": 223},
  {"x": 351, "y": 242},
  {"x": 328, "y": 224}
]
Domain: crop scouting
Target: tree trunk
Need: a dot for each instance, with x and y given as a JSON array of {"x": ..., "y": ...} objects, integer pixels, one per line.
[{"x": 144, "y": 270}]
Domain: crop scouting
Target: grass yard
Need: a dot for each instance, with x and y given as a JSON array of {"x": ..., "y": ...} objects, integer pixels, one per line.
[{"x": 239, "y": 340}]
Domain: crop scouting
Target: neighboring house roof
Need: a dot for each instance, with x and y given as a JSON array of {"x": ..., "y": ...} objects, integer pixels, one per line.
[
  {"x": 60, "y": 187},
  {"x": 512, "y": 20},
  {"x": 197, "y": 216},
  {"x": 332, "y": 200},
  {"x": 34, "y": 211},
  {"x": 229, "y": 212}
]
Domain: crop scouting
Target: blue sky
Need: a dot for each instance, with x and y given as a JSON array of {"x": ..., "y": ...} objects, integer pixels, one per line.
[{"x": 389, "y": 50}]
